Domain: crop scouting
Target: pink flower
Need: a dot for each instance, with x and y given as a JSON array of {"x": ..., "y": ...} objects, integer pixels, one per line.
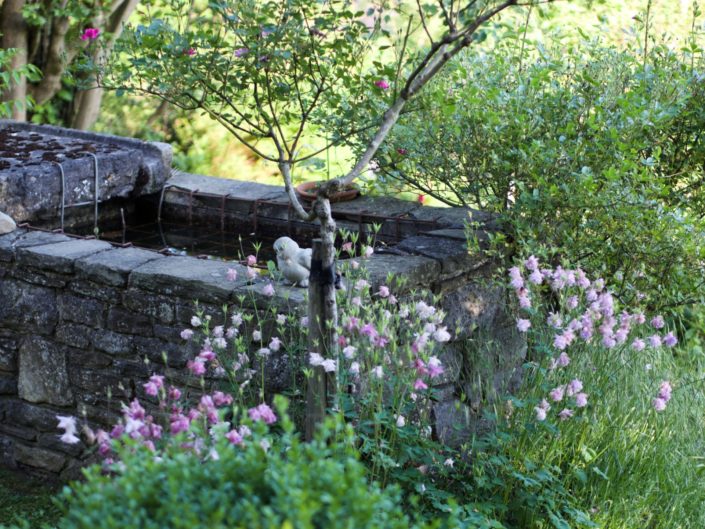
[
  {"x": 403, "y": 152},
  {"x": 222, "y": 399},
  {"x": 540, "y": 413},
  {"x": 268, "y": 290},
  {"x": 421, "y": 199},
  {"x": 251, "y": 260},
  {"x": 360, "y": 284},
  {"x": 435, "y": 368},
  {"x": 275, "y": 344},
  {"x": 262, "y": 413},
  {"x": 197, "y": 367},
  {"x": 441, "y": 335},
  {"x": 565, "y": 414},
  {"x": 234, "y": 437},
  {"x": 670, "y": 340},
  {"x": 573, "y": 387},
  {"x": 655, "y": 341},
  {"x": 657, "y": 322},
  {"x": 186, "y": 334},
  {"x": 90, "y": 34},
  {"x": 68, "y": 424},
  {"x": 560, "y": 342},
  {"x": 525, "y": 301},
  {"x": 251, "y": 273},
  {"x": 420, "y": 385},
  {"x": 190, "y": 52},
  {"x": 377, "y": 372},
  {"x": 315, "y": 359},
  {"x": 151, "y": 389},
  {"x": 383, "y": 291},
  {"x": 665, "y": 390},
  {"x": 329, "y": 365},
  {"x": 384, "y": 85},
  {"x": 174, "y": 393},
  {"x": 572, "y": 302},
  {"x": 536, "y": 277},
  {"x": 349, "y": 352},
  {"x": 532, "y": 263},
  {"x": 516, "y": 279},
  {"x": 563, "y": 360},
  {"x": 659, "y": 404},
  {"x": 231, "y": 274},
  {"x": 368, "y": 251},
  {"x": 556, "y": 394},
  {"x": 369, "y": 330},
  {"x": 523, "y": 325},
  {"x": 241, "y": 52},
  {"x": 581, "y": 400},
  {"x": 347, "y": 247}
]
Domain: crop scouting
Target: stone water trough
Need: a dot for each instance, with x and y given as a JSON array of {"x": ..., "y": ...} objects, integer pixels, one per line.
[
  {"x": 33, "y": 157},
  {"x": 79, "y": 317}
]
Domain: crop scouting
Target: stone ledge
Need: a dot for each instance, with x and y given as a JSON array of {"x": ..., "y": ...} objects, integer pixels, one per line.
[
  {"x": 23, "y": 238},
  {"x": 60, "y": 256},
  {"x": 113, "y": 267}
]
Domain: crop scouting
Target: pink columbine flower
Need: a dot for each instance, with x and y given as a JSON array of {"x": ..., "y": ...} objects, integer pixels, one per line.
[
  {"x": 251, "y": 260},
  {"x": 315, "y": 359},
  {"x": 234, "y": 437},
  {"x": 231, "y": 274},
  {"x": 347, "y": 247},
  {"x": 190, "y": 52},
  {"x": 378, "y": 372},
  {"x": 179, "y": 423},
  {"x": 275, "y": 344},
  {"x": 420, "y": 385},
  {"x": 434, "y": 366},
  {"x": 400, "y": 421},
  {"x": 670, "y": 340},
  {"x": 256, "y": 335},
  {"x": 581, "y": 400},
  {"x": 186, "y": 334},
  {"x": 421, "y": 199},
  {"x": 525, "y": 301},
  {"x": 251, "y": 273},
  {"x": 360, "y": 284},
  {"x": 532, "y": 263},
  {"x": 90, "y": 34},
  {"x": 563, "y": 360},
  {"x": 241, "y": 52},
  {"x": 174, "y": 393},
  {"x": 565, "y": 414},
  {"x": 354, "y": 264},
  {"x": 573, "y": 387},
  {"x": 355, "y": 368},
  {"x": 536, "y": 277},
  {"x": 659, "y": 404},
  {"x": 516, "y": 279},
  {"x": 196, "y": 367},
  {"x": 356, "y": 301},
  {"x": 657, "y": 322},
  {"x": 222, "y": 399},
  {"x": 263, "y": 352},
  {"x": 560, "y": 342},
  {"x": 665, "y": 390},
  {"x": 383, "y": 291},
  {"x": 368, "y": 251},
  {"x": 268, "y": 290},
  {"x": 349, "y": 352},
  {"x": 556, "y": 394},
  {"x": 262, "y": 413},
  {"x": 540, "y": 413},
  {"x": 523, "y": 325},
  {"x": 196, "y": 321},
  {"x": 381, "y": 83},
  {"x": 655, "y": 341}
]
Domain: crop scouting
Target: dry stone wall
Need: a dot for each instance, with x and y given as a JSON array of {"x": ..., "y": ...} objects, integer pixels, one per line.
[{"x": 79, "y": 317}]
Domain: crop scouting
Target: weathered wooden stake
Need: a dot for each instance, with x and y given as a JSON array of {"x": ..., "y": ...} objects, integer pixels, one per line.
[{"x": 320, "y": 337}]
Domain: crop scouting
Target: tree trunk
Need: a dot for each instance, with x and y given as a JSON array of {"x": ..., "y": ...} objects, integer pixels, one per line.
[
  {"x": 323, "y": 319},
  {"x": 88, "y": 101},
  {"x": 14, "y": 35}
]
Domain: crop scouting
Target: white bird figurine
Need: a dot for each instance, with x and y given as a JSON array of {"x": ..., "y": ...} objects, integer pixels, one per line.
[{"x": 293, "y": 262}]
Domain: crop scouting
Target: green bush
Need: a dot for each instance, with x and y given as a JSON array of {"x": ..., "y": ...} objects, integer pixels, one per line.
[
  {"x": 289, "y": 484},
  {"x": 592, "y": 151}
]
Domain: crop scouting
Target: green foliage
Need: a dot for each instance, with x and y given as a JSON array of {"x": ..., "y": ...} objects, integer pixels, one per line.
[
  {"x": 10, "y": 77},
  {"x": 290, "y": 484},
  {"x": 591, "y": 151}
]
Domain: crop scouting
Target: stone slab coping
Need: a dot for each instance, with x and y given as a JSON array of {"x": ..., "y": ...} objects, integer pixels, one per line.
[
  {"x": 32, "y": 158},
  {"x": 364, "y": 206}
]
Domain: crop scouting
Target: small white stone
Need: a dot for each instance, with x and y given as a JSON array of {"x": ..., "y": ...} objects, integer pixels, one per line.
[{"x": 7, "y": 225}]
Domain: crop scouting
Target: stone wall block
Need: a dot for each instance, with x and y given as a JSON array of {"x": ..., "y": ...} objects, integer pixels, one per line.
[
  {"x": 41, "y": 418},
  {"x": 113, "y": 343},
  {"x": 19, "y": 432},
  {"x": 82, "y": 310},
  {"x": 114, "y": 266},
  {"x": 8, "y": 384},
  {"x": 53, "y": 442},
  {"x": 61, "y": 256},
  {"x": 159, "y": 307},
  {"x": 128, "y": 322},
  {"x": 39, "y": 458},
  {"x": 74, "y": 334},
  {"x": 8, "y": 355},
  {"x": 87, "y": 358},
  {"x": 155, "y": 350},
  {"x": 43, "y": 376},
  {"x": 26, "y": 305},
  {"x": 40, "y": 277},
  {"x": 90, "y": 289}
]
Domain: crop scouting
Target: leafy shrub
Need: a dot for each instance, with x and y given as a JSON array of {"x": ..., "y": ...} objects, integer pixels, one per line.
[
  {"x": 269, "y": 480},
  {"x": 590, "y": 151}
]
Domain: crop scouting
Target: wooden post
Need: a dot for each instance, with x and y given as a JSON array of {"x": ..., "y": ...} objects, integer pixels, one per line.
[{"x": 321, "y": 337}]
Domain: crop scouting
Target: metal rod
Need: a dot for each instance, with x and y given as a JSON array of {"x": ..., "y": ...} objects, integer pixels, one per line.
[
  {"x": 63, "y": 193},
  {"x": 96, "y": 196},
  {"x": 124, "y": 225}
]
